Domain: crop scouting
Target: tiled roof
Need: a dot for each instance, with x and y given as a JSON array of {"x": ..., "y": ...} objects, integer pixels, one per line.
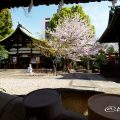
[
  {"x": 112, "y": 32},
  {"x": 23, "y": 31}
]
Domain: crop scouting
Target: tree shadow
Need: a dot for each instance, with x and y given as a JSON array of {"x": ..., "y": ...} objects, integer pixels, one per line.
[{"x": 82, "y": 76}]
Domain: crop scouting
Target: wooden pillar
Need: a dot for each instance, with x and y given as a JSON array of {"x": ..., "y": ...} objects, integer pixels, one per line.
[
  {"x": 9, "y": 61},
  {"x": 119, "y": 51},
  {"x": 31, "y": 51},
  {"x": 37, "y": 66},
  {"x": 0, "y": 63},
  {"x": 14, "y": 66},
  {"x": 17, "y": 58}
]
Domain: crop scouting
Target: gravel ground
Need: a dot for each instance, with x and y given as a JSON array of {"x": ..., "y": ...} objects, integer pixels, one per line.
[{"x": 20, "y": 82}]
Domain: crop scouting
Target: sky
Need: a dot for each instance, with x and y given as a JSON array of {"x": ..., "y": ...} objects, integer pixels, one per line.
[{"x": 35, "y": 20}]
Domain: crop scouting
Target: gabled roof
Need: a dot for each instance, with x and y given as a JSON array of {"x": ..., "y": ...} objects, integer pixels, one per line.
[
  {"x": 26, "y": 32},
  {"x": 23, "y": 30},
  {"x": 26, "y": 3},
  {"x": 112, "y": 32}
]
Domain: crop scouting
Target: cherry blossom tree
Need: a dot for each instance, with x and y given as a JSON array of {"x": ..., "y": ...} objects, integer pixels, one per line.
[
  {"x": 96, "y": 47},
  {"x": 73, "y": 37}
]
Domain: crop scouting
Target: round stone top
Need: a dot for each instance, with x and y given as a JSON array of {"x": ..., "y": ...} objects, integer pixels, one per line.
[
  {"x": 40, "y": 98},
  {"x": 44, "y": 104},
  {"x": 104, "y": 106}
]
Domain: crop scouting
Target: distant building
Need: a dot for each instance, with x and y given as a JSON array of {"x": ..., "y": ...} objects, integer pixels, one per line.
[
  {"x": 47, "y": 26},
  {"x": 21, "y": 50}
]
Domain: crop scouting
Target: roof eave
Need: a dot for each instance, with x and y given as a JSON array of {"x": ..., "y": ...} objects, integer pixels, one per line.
[
  {"x": 111, "y": 34},
  {"x": 26, "y": 3}
]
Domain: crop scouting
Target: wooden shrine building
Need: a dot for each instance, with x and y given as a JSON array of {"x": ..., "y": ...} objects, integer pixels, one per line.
[
  {"x": 21, "y": 51},
  {"x": 112, "y": 35}
]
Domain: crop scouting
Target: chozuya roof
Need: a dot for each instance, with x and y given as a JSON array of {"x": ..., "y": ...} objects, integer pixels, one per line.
[
  {"x": 112, "y": 32},
  {"x": 23, "y": 30},
  {"x": 26, "y": 3}
]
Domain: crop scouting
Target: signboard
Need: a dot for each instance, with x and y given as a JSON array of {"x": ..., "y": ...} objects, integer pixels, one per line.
[
  {"x": 14, "y": 59},
  {"x": 37, "y": 59}
]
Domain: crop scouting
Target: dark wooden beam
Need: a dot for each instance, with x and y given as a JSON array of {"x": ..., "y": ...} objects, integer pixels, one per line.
[
  {"x": 119, "y": 51},
  {"x": 26, "y": 3}
]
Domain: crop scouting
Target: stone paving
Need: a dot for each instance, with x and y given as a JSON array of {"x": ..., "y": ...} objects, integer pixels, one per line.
[{"x": 19, "y": 82}]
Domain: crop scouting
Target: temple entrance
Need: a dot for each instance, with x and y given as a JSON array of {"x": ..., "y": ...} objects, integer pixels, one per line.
[{"x": 23, "y": 62}]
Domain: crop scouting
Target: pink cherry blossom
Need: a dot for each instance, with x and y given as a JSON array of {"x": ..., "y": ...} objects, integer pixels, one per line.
[{"x": 74, "y": 38}]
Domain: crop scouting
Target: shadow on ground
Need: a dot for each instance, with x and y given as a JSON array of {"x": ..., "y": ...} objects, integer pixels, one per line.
[{"x": 82, "y": 76}]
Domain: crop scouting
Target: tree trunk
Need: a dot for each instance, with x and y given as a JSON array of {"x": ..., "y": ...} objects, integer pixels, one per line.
[
  {"x": 65, "y": 65},
  {"x": 88, "y": 65}
]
